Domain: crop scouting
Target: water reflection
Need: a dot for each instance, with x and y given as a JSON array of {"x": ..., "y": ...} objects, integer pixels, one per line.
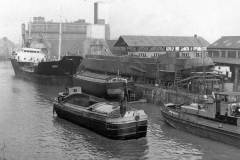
[
  {"x": 86, "y": 141},
  {"x": 46, "y": 80}
]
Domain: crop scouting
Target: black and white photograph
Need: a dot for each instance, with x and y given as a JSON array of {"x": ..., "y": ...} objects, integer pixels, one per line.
[{"x": 119, "y": 80}]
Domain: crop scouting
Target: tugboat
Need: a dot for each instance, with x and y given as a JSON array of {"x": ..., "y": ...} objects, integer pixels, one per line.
[
  {"x": 114, "y": 120},
  {"x": 31, "y": 62},
  {"x": 216, "y": 117}
]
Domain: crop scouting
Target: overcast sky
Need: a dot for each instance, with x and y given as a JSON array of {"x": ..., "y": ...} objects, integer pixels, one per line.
[{"x": 210, "y": 19}]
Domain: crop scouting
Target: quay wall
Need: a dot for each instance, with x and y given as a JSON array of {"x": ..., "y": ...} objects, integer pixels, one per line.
[{"x": 159, "y": 95}]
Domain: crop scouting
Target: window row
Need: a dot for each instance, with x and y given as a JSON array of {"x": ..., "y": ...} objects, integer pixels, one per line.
[
  {"x": 29, "y": 51},
  {"x": 224, "y": 54},
  {"x": 164, "y": 48}
]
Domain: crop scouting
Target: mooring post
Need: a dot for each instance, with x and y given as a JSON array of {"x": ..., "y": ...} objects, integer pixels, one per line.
[{"x": 236, "y": 70}]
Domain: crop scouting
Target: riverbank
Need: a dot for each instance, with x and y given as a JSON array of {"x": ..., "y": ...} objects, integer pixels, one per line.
[{"x": 158, "y": 95}]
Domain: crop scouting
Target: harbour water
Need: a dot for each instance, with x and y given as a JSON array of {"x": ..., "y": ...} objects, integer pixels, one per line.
[{"x": 28, "y": 130}]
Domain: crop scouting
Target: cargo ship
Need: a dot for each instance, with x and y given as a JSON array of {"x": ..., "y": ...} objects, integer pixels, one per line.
[{"x": 33, "y": 63}]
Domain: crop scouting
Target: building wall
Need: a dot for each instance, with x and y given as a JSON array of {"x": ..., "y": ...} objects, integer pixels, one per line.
[
  {"x": 107, "y": 32},
  {"x": 224, "y": 53},
  {"x": 96, "y": 31},
  {"x": 179, "y": 52},
  {"x": 183, "y": 54},
  {"x": 146, "y": 54},
  {"x": 73, "y": 36},
  {"x": 52, "y": 27}
]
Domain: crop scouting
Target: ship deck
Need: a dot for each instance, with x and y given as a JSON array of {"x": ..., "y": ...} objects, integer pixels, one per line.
[{"x": 208, "y": 122}]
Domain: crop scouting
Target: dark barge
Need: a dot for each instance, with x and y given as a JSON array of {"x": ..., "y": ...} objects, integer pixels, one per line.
[
  {"x": 108, "y": 119},
  {"x": 103, "y": 85}
]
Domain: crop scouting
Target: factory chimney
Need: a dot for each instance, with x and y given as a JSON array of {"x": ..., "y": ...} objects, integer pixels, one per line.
[{"x": 95, "y": 12}]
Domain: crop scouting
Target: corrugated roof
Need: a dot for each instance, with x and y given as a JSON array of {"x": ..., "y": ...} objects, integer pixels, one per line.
[
  {"x": 227, "y": 42},
  {"x": 153, "y": 41}
]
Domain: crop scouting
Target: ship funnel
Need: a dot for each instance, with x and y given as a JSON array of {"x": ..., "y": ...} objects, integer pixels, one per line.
[{"x": 95, "y": 12}]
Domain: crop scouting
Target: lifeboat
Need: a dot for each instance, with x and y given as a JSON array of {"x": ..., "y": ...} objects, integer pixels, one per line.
[{"x": 111, "y": 119}]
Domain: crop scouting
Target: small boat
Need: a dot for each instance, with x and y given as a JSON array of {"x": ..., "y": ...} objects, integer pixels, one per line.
[
  {"x": 217, "y": 117},
  {"x": 114, "y": 120}
]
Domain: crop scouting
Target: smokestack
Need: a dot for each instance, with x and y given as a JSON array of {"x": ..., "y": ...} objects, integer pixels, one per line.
[{"x": 95, "y": 12}]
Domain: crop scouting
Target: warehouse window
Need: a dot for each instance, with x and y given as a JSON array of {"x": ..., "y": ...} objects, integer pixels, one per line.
[
  {"x": 231, "y": 54},
  {"x": 185, "y": 54},
  {"x": 215, "y": 54},
  {"x": 223, "y": 53},
  {"x": 210, "y": 54},
  {"x": 198, "y": 54},
  {"x": 238, "y": 54}
]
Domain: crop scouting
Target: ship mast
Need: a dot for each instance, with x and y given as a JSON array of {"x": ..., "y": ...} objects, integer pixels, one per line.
[{"x": 60, "y": 41}]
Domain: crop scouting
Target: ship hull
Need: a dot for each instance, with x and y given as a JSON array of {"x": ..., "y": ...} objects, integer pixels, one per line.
[
  {"x": 98, "y": 124},
  {"x": 214, "y": 133},
  {"x": 43, "y": 79},
  {"x": 68, "y": 65},
  {"x": 91, "y": 86},
  {"x": 55, "y": 71},
  {"x": 115, "y": 89}
]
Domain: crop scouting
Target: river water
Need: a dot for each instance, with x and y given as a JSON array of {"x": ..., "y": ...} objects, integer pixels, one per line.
[{"x": 28, "y": 130}]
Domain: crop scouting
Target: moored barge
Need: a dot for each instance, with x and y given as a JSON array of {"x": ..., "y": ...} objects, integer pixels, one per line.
[
  {"x": 217, "y": 117},
  {"x": 108, "y": 119},
  {"x": 103, "y": 85}
]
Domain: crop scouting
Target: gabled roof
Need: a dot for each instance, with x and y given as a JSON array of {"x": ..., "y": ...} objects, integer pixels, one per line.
[
  {"x": 115, "y": 50},
  {"x": 227, "y": 42},
  {"x": 154, "y": 41},
  {"x": 111, "y": 43}
]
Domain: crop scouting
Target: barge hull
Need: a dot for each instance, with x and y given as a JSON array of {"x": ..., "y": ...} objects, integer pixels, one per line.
[
  {"x": 202, "y": 130},
  {"x": 95, "y": 88},
  {"x": 131, "y": 130}
]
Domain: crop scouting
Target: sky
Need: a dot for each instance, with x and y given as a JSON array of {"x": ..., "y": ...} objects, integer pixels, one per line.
[{"x": 209, "y": 19}]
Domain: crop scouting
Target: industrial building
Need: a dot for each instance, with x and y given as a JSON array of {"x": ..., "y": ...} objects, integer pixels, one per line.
[
  {"x": 154, "y": 46},
  {"x": 117, "y": 51},
  {"x": 45, "y": 35},
  {"x": 226, "y": 52},
  {"x": 69, "y": 38}
]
